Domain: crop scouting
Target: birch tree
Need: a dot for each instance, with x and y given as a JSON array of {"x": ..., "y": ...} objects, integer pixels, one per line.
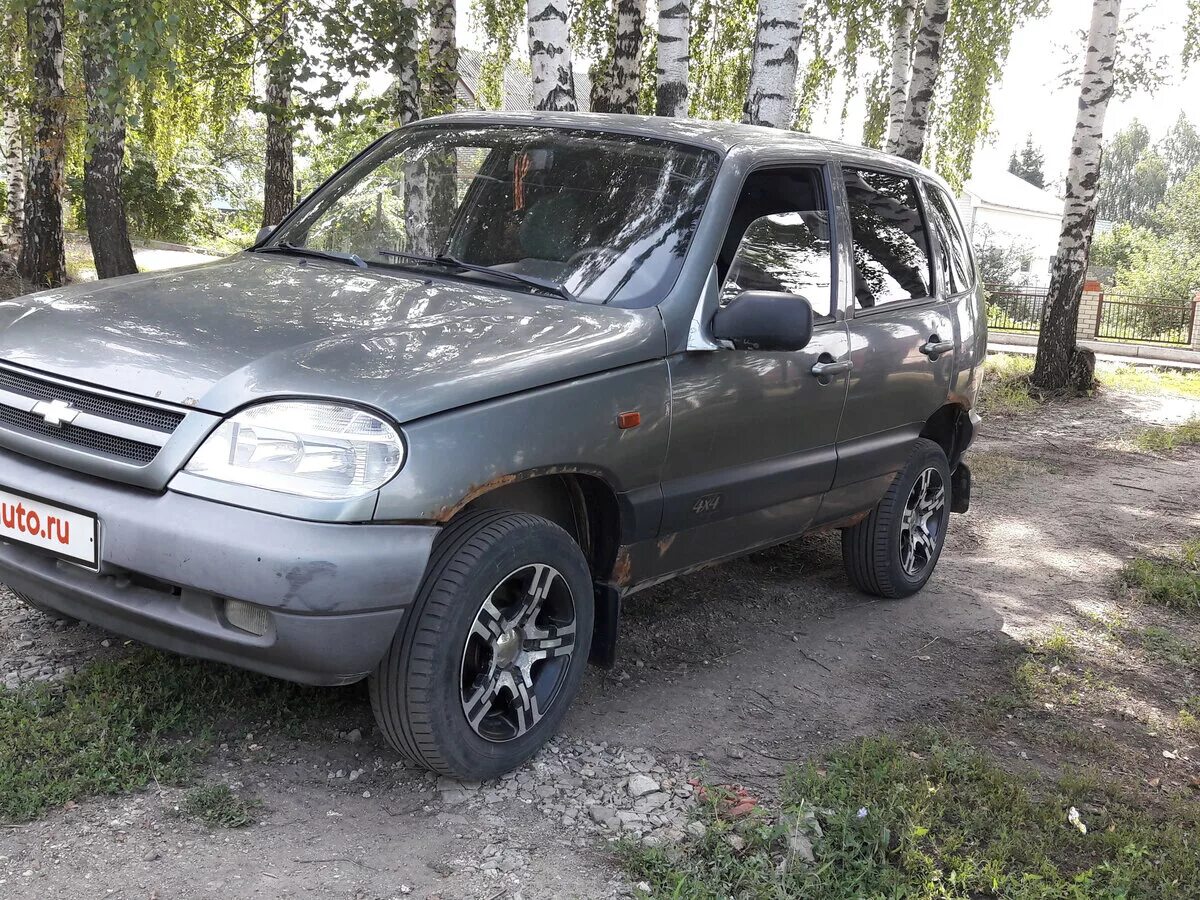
[
  {"x": 43, "y": 257},
  {"x": 104, "y": 154},
  {"x": 279, "y": 186},
  {"x": 627, "y": 55},
  {"x": 674, "y": 38},
  {"x": 550, "y": 55},
  {"x": 901, "y": 71},
  {"x": 12, "y": 144},
  {"x": 927, "y": 57},
  {"x": 405, "y": 63},
  {"x": 771, "y": 95},
  {"x": 1060, "y": 363},
  {"x": 443, "y": 58}
]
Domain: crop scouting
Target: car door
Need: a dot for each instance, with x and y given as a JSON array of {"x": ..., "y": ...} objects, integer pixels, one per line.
[
  {"x": 753, "y": 432},
  {"x": 902, "y": 334}
]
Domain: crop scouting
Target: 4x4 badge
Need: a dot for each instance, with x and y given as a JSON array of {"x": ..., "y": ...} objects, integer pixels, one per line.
[{"x": 56, "y": 412}]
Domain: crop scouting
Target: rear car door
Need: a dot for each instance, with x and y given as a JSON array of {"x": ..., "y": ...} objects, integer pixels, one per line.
[
  {"x": 902, "y": 334},
  {"x": 752, "y": 446}
]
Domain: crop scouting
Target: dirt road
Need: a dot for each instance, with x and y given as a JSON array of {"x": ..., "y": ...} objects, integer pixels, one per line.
[{"x": 734, "y": 672}]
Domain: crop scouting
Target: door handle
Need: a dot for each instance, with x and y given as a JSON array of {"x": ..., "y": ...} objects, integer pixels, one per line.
[
  {"x": 825, "y": 366},
  {"x": 935, "y": 347}
]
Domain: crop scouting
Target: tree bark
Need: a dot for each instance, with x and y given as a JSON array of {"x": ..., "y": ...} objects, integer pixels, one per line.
[
  {"x": 279, "y": 185},
  {"x": 771, "y": 96},
  {"x": 550, "y": 55},
  {"x": 627, "y": 55},
  {"x": 901, "y": 72},
  {"x": 927, "y": 65},
  {"x": 43, "y": 257},
  {"x": 443, "y": 58},
  {"x": 104, "y": 205},
  {"x": 1060, "y": 364},
  {"x": 12, "y": 145},
  {"x": 406, "y": 63},
  {"x": 674, "y": 38}
]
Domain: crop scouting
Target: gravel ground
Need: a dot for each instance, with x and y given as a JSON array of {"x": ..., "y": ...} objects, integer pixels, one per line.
[{"x": 730, "y": 674}]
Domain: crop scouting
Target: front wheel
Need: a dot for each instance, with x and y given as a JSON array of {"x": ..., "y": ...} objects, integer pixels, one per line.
[
  {"x": 893, "y": 551},
  {"x": 492, "y": 651}
]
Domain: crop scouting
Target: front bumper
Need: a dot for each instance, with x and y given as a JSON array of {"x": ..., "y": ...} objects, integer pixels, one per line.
[{"x": 334, "y": 593}]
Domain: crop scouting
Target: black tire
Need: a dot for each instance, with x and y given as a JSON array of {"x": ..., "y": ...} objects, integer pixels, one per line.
[
  {"x": 419, "y": 691},
  {"x": 873, "y": 549},
  {"x": 42, "y": 608}
]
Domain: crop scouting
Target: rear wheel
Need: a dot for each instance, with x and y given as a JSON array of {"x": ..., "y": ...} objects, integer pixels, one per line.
[
  {"x": 893, "y": 551},
  {"x": 493, "y": 650}
]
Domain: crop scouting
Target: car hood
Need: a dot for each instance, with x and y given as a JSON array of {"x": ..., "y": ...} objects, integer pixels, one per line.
[{"x": 223, "y": 334}]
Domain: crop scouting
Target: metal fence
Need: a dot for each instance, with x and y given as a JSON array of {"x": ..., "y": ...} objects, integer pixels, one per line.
[
  {"x": 1012, "y": 308},
  {"x": 1150, "y": 320}
]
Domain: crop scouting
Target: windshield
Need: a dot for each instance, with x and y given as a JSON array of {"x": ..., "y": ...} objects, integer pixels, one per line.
[{"x": 601, "y": 216}]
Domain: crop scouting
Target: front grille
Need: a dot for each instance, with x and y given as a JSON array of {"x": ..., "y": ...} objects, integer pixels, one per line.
[
  {"x": 109, "y": 445},
  {"x": 126, "y": 411},
  {"x": 118, "y": 411}
]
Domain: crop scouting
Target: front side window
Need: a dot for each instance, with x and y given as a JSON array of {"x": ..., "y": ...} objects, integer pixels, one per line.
[
  {"x": 956, "y": 269},
  {"x": 604, "y": 216},
  {"x": 778, "y": 239},
  {"x": 891, "y": 248}
]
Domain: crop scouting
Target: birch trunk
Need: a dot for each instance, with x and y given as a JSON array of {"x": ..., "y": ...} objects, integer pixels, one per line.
[
  {"x": 927, "y": 64},
  {"x": 442, "y": 168},
  {"x": 627, "y": 55},
  {"x": 443, "y": 58},
  {"x": 12, "y": 146},
  {"x": 771, "y": 97},
  {"x": 279, "y": 186},
  {"x": 550, "y": 55},
  {"x": 406, "y": 78},
  {"x": 674, "y": 38},
  {"x": 43, "y": 257},
  {"x": 104, "y": 205},
  {"x": 12, "y": 152},
  {"x": 901, "y": 72},
  {"x": 1060, "y": 364}
]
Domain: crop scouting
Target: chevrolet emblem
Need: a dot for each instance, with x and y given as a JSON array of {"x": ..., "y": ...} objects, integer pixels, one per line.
[{"x": 56, "y": 412}]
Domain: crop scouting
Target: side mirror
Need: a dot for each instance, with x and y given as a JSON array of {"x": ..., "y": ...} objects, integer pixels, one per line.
[
  {"x": 765, "y": 320},
  {"x": 263, "y": 233}
]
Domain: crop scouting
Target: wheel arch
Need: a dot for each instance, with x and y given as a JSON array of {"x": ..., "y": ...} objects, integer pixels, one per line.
[
  {"x": 951, "y": 429},
  {"x": 584, "y": 505}
]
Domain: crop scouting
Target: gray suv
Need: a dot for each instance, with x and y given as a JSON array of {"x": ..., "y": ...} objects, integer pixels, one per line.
[{"x": 497, "y": 374}]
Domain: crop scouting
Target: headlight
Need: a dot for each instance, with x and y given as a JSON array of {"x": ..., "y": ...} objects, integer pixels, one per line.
[{"x": 321, "y": 450}]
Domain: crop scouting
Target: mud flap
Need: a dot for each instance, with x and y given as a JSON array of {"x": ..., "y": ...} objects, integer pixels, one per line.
[
  {"x": 960, "y": 488},
  {"x": 607, "y": 626}
]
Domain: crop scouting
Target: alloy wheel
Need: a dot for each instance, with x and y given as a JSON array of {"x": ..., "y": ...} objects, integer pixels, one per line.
[
  {"x": 518, "y": 653},
  {"x": 921, "y": 525}
]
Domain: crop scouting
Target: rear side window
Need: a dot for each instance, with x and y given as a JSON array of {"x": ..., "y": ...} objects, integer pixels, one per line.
[
  {"x": 955, "y": 264},
  {"x": 891, "y": 247}
]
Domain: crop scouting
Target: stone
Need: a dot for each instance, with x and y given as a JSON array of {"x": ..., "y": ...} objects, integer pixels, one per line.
[{"x": 641, "y": 785}]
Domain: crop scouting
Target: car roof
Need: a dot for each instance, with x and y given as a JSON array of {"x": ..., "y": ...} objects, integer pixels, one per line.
[{"x": 720, "y": 136}]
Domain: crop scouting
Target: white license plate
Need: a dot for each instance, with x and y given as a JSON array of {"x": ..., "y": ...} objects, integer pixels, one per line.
[{"x": 68, "y": 533}]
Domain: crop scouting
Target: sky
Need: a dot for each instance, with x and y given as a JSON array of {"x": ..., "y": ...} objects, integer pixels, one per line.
[{"x": 1028, "y": 100}]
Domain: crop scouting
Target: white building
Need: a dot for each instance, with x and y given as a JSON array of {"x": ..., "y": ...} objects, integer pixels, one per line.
[{"x": 1003, "y": 209}]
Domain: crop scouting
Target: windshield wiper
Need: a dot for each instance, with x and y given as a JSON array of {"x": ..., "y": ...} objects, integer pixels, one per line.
[
  {"x": 289, "y": 247},
  {"x": 452, "y": 262}
]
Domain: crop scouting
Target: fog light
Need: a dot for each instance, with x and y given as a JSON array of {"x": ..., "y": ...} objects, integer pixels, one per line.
[{"x": 247, "y": 617}]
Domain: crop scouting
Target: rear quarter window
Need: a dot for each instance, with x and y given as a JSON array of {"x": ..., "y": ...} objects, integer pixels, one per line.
[{"x": 955, "y": 265}]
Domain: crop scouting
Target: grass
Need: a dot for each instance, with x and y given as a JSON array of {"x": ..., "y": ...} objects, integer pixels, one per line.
[
  {"x": 119, "y": 724},
  {"x": 931, "y": 817},
  {"x": 1005, "y": 390},
  {"x": 1145, "y": 380},
  {"x": 1172, "y": 581},
  {"x": 1158, "y": 438},
  {"x": 216, "y": 804},
  {"x": 1162, "y": 646}
]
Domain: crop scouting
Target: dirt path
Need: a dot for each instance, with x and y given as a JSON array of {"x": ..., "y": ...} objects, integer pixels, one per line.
[{"x": 734, "y": 672}]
